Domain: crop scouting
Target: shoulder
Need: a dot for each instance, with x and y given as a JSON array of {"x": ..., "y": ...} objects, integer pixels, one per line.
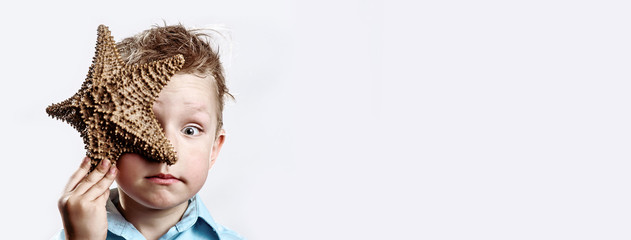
[
  {"x": 59, "y": 236},
  {"x": 227, "y": 234},
  {"x": 223, "y": 233},
  {"x": 207, "y": 227}
]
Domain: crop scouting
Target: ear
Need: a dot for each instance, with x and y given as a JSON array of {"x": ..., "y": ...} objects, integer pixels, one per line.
[{"x": 221, "y": 136}]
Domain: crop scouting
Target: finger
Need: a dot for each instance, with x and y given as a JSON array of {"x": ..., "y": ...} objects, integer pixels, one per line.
[
  {"x": 84, "y": 168},
  {"x": 102, "y": 199},
  {"x": 102, "y": 185},
  {"x": 93, "y": 177}
]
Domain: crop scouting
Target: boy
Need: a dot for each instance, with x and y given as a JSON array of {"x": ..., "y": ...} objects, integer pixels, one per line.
[{"x": 157, "y": 199}]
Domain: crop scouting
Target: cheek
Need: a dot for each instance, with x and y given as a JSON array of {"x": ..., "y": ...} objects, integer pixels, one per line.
[
  {"x": 195, "y": 151},
  {"x": 130, "y": 166},
  {"x": 196, "y": 163}
]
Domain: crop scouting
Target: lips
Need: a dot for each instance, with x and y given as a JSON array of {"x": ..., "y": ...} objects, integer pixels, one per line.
[{"x": 163, "y": 179}]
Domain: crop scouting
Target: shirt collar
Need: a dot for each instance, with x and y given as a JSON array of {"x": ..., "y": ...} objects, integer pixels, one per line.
[
  {"x": 196, "y": 210},
  {"x": 116, "y": 223}
]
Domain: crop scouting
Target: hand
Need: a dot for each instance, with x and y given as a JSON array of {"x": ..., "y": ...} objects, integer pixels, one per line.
[{"x": 82, "y": 205}]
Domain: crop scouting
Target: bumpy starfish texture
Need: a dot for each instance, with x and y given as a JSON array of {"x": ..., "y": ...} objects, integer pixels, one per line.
[{"x": 113, "y": 109}]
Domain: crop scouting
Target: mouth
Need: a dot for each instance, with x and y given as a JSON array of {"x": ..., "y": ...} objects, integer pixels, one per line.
[{"x": 163, "y": 179}]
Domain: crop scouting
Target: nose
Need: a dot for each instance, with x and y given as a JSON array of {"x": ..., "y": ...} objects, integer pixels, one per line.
[{"x": 172, "y": 136}]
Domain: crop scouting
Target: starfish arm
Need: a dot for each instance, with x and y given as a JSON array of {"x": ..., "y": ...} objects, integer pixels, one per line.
[{"x": 67, "y": 111}]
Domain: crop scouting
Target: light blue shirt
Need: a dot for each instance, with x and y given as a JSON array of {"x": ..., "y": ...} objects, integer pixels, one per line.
[{"x": 195, "y": 224}]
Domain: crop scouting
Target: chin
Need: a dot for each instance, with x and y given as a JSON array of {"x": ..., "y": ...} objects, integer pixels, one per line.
[
  {"x": 160, "y": 201},
  {"x": 157, "y": 199}
]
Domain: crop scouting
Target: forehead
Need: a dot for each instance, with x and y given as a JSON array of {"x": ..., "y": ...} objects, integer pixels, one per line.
[{"x": 189, "y": 91}]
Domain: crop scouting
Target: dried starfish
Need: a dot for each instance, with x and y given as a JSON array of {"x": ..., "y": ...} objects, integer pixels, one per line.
[{"x": 113, "y": 109}]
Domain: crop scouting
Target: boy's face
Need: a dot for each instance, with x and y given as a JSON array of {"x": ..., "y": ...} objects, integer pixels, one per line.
[{"x": 186, "y": 111}]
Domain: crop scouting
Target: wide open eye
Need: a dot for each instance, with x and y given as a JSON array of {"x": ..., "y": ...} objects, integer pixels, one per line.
[{"x": 191, "y": 131}]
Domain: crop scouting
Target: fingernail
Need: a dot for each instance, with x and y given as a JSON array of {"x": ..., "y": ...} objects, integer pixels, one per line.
[
  {"x": 105, "y": 163},
  {"x": 113, "y": 170},
  {"x": 85, "y": 160}
]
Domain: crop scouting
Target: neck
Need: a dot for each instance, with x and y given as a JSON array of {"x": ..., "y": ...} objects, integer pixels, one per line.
[{"x": 152, "y": 223}]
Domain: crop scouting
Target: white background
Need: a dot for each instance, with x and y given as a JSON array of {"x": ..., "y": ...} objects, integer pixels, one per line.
[{"x": 360, "y": 119}]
